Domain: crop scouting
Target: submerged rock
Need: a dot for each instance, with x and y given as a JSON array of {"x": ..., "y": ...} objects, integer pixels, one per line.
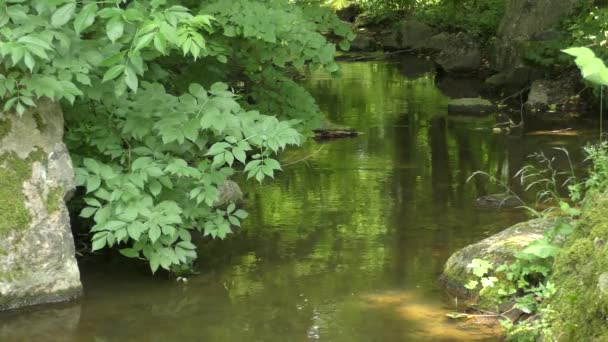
[
  {"x": 497, "y": 249},
  {"x": 470, "y": 106},
  {"x": 37, "y": 257},
  {"x": 329, "y": 130},
  {"x": 498, "y": 201}
]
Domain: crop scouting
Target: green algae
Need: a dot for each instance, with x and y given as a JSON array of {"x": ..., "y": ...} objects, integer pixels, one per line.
[
  {"x": 5, "y": 127},
  {"x": 13, "y": 172},
  {"x": 53, "y": 199},
  {"x": 40, "y": 123}
]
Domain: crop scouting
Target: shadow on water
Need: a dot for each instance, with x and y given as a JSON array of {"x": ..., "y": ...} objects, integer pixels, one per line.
[{"x": 344, "y": 246}]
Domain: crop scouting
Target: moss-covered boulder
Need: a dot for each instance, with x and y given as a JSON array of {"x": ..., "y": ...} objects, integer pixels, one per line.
[
  {"x": 580, "y": 274},
  {"x": 497, "y": 249},
  {"x": 37, "y": 258}
]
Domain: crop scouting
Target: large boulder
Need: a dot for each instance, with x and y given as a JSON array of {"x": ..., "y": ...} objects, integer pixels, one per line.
[
  {"x": 459, "y": 53},
  {"x": 497, "y": 249},
  {"x": 363, "y": 42},
  {"x": 408, "y": 34},
  {"x": 349, "y": 12},
  {"x": 37, "y": 257},
  {"x": 523, "y": 21}
]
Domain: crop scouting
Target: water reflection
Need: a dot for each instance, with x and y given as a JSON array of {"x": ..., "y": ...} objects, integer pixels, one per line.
[{"x": 360, "y": 217}]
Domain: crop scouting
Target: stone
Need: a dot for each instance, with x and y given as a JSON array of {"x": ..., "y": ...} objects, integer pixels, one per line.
[
  {"x": 459, "y": 53},
  {"x": 349, "y": 12},
  {"x": 229, "y": 192},
  {"x": 526, "y": 20},
  {"x": 438, "y": 42},
  {"x": 408, "y": 34},
  {"x": 470, "y": 106},
  {"x": 364, "y": 19},
  {"x": 512, "y": 80},
  {"x": 499, "y": 201},
  {"x": 496, "y": 249},
  {"x": 37, "y": 256},
  {"x": 363, "y": 42},
  {"x": 555, "y": 100}
]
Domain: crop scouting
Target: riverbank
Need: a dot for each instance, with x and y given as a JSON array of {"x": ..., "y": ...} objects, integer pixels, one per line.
[
  {"x": 505, "y": 57},
  {"x": 544, "y": 279}
]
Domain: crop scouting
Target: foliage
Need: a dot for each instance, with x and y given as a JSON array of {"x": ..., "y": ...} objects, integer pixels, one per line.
[
  {"x": 592, "y": 68},
  {"x": 541, "y": 277},
  {"x": 479, "y": 18},
  {"x": 597, "y": 182},
  {"x": 151, "y": 152}
]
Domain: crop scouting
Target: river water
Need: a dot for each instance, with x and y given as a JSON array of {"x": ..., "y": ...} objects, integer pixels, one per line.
[{"x": 345, "y": 245}]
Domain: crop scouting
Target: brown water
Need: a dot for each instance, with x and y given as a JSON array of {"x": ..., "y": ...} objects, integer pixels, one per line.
[{"x": 345, "y": 245}]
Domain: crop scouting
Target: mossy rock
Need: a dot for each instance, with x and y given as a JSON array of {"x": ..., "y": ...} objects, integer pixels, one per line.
[
  {"x": 497, "y": 249},
  {"x": 37, "y": 256},
  {"x": 580, "y": 307}
]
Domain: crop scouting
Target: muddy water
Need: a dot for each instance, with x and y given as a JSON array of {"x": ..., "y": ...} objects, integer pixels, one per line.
[{"x": 345, "y": 245}]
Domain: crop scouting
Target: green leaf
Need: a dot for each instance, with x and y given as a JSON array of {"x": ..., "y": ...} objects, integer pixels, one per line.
[
  {"x": 115, "y": 29},
  {"x": 85, "y": 18},
  {"x": 155, "y": 187},
  {"x": 131, "y": 78},
  {"x": 113, "y": 72},
  {"x": 88, "y": 212},
  {"x": 63, "y": 14},
  {"x": 541, "y": 249},
  {"x": 99, "y": 241},
  {"x": 154, "y": 233},
  {"x": 579, "y": 52},
  {"x": 92, "y": 202},
  {"x": 240, "y": 213},
  {"x": 129, "y": 252},
  {"x": 93, "y": 183}
]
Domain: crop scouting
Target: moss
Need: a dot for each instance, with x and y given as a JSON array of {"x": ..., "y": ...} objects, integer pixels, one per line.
[
  {"x": 13, "y": 172},
  {"x": 40, "y": 123},
  {"x": 53, "y": 199},
  {"x": 581, "y": 307},
  {"x": 5, "y": 127}
]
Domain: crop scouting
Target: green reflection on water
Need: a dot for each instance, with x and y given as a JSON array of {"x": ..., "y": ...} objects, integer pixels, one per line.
[{"x": 345, "y": 245}]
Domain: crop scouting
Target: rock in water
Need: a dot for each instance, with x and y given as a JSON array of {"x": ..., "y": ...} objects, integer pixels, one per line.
[
  {"x": 229, "y": 192},
  {"x": 470, "y": 106},
  {"x": 37, "y": 257},
  {"x": 497, "y": 249},
  {"x": 555, "y": 100},
  {"x": 499, "y": 201}
]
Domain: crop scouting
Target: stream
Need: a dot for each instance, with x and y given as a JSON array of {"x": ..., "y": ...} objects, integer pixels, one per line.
[{"x": 345, "y": 245}]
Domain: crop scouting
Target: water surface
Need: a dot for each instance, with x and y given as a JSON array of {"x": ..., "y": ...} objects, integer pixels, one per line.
[{"x": 345, "y": 245}]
